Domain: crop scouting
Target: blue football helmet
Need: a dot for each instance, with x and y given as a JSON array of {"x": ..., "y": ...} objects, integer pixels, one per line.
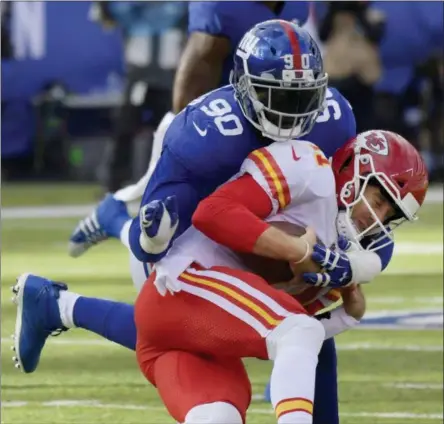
[{"x": 279, "y": 79}]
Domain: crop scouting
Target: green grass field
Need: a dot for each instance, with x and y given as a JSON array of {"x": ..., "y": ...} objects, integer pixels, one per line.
[{"x": 385, "y": 376}]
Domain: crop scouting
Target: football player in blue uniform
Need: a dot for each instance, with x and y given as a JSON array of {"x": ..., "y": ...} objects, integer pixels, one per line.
[
  {"x": 215, "y": 29},
  {"x": 279, "y": 92}
]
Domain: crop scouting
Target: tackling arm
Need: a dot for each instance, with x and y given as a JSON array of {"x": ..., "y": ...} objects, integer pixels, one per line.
[
  {"x": 186, "y": 199},
  {"x": 233, "y": 216}
]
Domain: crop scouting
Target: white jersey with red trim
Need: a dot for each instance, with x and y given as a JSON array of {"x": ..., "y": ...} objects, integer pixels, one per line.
[{"x": 300, "y": 183}]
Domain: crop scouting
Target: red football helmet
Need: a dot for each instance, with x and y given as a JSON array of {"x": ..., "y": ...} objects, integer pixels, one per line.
[{"x": 391, "y": 161}]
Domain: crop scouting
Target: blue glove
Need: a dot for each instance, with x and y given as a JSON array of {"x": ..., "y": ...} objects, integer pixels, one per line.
[
  {"x": 338, "y": 271},
  {"x": 158, "y": 221},
  {"x": 151, "y": 215}
]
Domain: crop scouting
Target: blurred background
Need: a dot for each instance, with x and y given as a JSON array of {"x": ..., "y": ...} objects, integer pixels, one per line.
[
  {"x": 84, "y": 85},
  {"x": 80, "y": 100}
]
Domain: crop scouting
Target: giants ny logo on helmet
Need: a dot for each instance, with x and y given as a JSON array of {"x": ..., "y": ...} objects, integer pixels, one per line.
[{"x": 247, "y": 45}]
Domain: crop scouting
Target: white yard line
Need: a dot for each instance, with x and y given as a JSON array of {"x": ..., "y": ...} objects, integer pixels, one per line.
[
  {"x": 418, "y": 249},
  {"x": 340, "y": 346},
  {"x": 397, "y": 312},
  {"x": 259, "y": 397},
  {"x": 393, "y": 300},
  {"x": 434, "y": 196},
  {"x": 397, "y": 270},
  {"x": 415, "y": 386},
  {"x": 49, "y": 211},
  {"x": 260, "y": 411},
  {"x": 389, "y": 347}
]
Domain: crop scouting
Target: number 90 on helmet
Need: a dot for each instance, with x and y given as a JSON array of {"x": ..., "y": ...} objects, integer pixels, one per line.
[{"x": 279, "y": 79}]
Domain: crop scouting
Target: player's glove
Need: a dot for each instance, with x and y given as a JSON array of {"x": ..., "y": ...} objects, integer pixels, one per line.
[
  {"x": 337, "y": 266},
  {"x": 158, "y": 223}
]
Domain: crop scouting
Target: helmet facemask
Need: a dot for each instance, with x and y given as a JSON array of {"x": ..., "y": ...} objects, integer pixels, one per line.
[{"x": 282, "y": 109}]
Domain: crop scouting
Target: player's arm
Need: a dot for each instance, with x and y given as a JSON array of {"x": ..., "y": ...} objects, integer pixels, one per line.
[
  {"x": 233, "y": 216},
  {"x": 208, "y": 46},
  {"x": 158, "y": 225},
  {"x": 200, "y": 68},
  {"x": 346, "y": 316}
]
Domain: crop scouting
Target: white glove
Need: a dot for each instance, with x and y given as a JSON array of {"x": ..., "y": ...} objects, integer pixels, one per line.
[{"x": 163, "y": 282}]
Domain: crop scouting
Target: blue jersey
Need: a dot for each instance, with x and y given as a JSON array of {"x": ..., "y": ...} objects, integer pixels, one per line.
[
  {"x": 232, "y": 19},
  {"x": 207, "y": 142},
  {"x": 212, "y": 137}
]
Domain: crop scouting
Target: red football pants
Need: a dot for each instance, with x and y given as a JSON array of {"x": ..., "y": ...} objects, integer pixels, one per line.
[{"x": 190, "y": 345}]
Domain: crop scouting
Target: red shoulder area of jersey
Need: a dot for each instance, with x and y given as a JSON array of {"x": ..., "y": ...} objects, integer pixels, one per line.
[{"x": 273, "y": 175}]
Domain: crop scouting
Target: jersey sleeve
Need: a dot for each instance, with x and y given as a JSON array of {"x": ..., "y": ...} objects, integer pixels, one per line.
[
  {"x": 216, "y": 18},
  {"x": 288, "y": 170},
  {"x": 347, "y": 128},
  {"x": 385, "y": 253},
  {"x": 211, "y": 147}
]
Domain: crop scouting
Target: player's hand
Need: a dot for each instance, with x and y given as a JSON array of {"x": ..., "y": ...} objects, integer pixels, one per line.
[
  {"x": 310, "y": 236},
  {"x": 336, "y": 266},
  {"x": 158, "y": 222},
  {"x": 353, "y": 301},
  {"x": 306, "y": 262}
]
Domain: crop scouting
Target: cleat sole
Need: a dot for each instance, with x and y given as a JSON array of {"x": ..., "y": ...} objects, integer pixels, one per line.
[{"x": 18, "y": 300}]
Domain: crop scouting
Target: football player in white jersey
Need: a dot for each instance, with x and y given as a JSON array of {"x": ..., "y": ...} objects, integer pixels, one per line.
[
  {"x": 294, "y": 183},
  {"x": 220, "y": 309}
]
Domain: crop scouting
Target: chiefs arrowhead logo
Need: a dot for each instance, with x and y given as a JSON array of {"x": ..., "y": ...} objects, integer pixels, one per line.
[{"x": 375, "y": 142}]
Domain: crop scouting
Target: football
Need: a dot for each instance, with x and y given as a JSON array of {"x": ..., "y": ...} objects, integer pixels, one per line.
[{"x": 275, "y": 271}]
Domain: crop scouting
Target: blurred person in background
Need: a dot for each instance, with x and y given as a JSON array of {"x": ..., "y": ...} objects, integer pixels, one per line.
[
  {"x": 431, "y": 134},
  {"x": 379, "y": 50},
  {"x": 351, "y": 33},
  {"x": 154, "y": 34},
  {"x": 42, "y": 53},
  {"x": 5, "y": 10},
  {"x": 215, "y": 29},
  {"x": 414, "y": 35}
]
